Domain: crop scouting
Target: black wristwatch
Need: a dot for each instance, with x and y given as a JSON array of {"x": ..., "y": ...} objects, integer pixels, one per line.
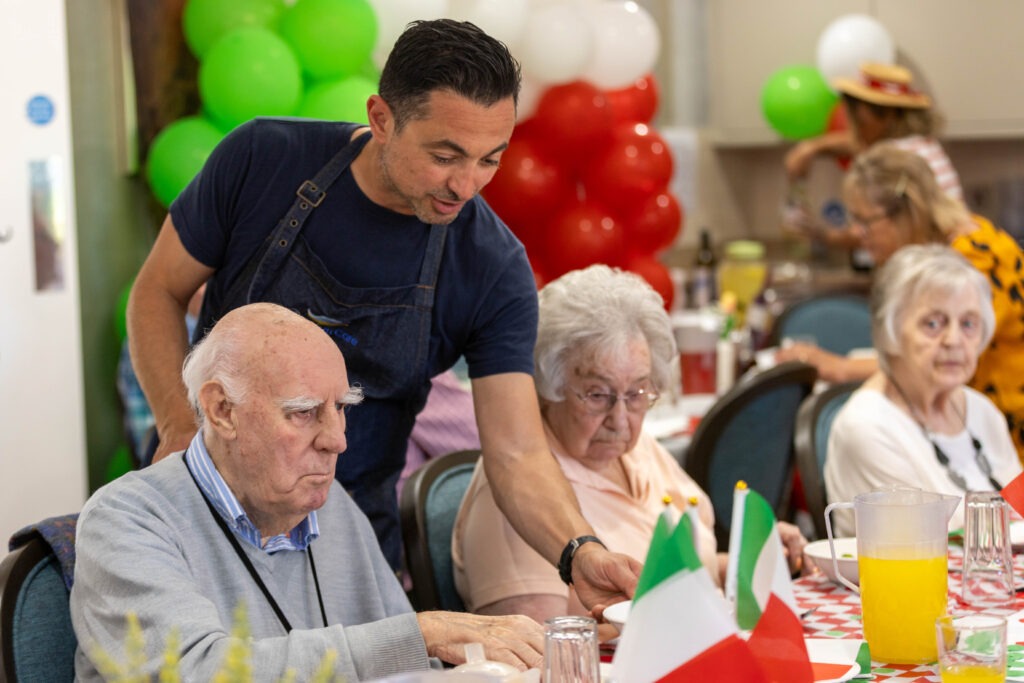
[{"x": 565, "y": 562}]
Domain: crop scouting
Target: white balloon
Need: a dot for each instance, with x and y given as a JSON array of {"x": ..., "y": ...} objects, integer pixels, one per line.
[
  {"x": 503, "y": 19},
  {"x": 626, "y": 44},
  {"x": 394, "y": 15},
  {"x": 529, "y": 97},
  {"x": 851, "y": 40},
  {"x": 555, "y": 45}
]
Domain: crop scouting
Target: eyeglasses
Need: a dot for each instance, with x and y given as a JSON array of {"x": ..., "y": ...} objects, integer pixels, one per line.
[
  {"x": 600, "y": 403},
  {"x": 867, "y": 221}
]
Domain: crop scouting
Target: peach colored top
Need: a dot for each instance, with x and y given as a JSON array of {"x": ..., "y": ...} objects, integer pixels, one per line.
[{"x": 492, "y": 562}]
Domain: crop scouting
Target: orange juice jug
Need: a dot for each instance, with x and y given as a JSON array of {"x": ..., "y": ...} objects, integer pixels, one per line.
[{"x": 901, "y": 558}]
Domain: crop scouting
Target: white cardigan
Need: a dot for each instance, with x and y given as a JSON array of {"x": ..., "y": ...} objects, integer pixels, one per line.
[{"x": 873, "y": 443}]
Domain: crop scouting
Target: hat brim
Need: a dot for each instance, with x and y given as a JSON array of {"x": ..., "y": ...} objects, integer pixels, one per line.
[{"x": 857, "y": 89}]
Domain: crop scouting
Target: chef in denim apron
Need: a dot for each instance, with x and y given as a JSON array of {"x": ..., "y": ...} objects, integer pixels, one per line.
[
  {"x": 384, "y": 334},
  {"x": 428, "y": 173}
]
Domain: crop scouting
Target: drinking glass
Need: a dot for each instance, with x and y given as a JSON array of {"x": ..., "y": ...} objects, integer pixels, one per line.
[
  {"x": 988, "y": 558},
  {"x": 971, "y": 648},
  {"x": 570, "y": 650}
]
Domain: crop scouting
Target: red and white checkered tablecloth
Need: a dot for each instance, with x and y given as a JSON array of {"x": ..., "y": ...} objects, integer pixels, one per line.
[{"x": 836, "y": 614}]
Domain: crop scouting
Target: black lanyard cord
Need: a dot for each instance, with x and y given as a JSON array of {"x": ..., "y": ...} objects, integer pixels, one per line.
[
  {"x": 316, "y": 582},
  {"x": 252, "y": 570}
]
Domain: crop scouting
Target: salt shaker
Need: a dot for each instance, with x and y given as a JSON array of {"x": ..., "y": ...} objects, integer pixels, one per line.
[
  {"x": 570, "y": 650},
  {"x": 988, "y": 559}
]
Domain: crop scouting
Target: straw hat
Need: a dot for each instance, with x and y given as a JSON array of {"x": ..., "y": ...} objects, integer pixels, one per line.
[{"x": 887, "y": 85}]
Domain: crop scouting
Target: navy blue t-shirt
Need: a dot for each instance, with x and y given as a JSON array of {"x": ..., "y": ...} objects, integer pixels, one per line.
[{"x": 486, "y": 302}]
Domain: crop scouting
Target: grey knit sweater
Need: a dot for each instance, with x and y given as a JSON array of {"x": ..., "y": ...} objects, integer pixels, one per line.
[{"x": 148, "y": 544}]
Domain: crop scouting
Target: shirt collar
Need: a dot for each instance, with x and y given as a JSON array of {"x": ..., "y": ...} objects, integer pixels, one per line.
[{"x": 217, "y": 491}]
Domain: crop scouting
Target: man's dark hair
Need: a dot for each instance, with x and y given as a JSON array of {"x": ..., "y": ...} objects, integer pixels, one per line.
[{"x": 444, "y": 54}]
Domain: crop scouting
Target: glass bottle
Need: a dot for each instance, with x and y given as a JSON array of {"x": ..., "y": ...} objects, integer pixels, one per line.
[{"x": 702, "y": 289}]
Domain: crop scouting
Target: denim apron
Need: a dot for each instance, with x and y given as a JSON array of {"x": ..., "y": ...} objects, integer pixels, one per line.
[{"x": 383, "y": 332}]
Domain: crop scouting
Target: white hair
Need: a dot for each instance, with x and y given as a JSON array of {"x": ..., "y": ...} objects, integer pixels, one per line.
[
  {"x": 598, "y": 308},
  {"x": 909, "y": 274}
]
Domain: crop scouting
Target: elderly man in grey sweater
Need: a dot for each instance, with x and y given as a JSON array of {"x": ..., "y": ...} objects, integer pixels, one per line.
[{"x": 251, "y": 514}]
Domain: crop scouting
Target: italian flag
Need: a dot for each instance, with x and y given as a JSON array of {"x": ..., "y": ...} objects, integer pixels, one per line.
[
  {"x": 679, "y": 626},
  {"x": 757, "y": 581},
  {"x": 1014, "y": 494}
]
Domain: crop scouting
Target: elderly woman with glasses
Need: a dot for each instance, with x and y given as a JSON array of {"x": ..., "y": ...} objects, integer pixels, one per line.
[
  {"x": 603, "y": 356},
  {"x": 893, "y": 200},
  {"x": 914, "y": 422}
]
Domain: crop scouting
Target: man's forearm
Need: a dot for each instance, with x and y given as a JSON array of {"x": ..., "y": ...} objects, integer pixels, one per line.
[
  {"x": 158, "y": 341},
  {"x": 538, "y": 501}
]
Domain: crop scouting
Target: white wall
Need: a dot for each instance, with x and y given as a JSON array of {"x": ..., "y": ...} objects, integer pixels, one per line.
[{"x": 42, "y": 434}]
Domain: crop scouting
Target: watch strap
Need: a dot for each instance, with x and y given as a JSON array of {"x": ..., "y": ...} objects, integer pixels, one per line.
[{"x": 569, "y": 552}]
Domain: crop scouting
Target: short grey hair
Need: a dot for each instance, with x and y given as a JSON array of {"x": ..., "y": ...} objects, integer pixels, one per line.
[
  {"x": 218, "y": 357},
  {"x": 909, "y": 274},
  {"x": 598, "y": 308}
]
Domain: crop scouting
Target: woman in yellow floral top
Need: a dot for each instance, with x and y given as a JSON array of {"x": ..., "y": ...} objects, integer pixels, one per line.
[{"x": 893, "y": 199}]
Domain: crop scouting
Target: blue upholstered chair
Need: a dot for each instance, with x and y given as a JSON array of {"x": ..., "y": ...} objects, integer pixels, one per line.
[
  {"x": 813, "y": 422},
  {"x": 37, "y": 643},
  {"x": 838, "y": 322},
  {"x": 748, "y": 434},
  {"x": 428, "y": 506}
]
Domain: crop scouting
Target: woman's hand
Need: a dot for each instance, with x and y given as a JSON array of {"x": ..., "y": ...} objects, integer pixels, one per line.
[{"x": 793, "y": 543}]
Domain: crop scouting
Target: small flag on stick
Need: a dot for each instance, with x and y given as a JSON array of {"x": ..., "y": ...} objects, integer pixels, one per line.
[{"x": 758, "y": 583}]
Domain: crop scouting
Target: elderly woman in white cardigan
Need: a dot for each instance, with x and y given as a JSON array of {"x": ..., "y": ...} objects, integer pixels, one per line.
[{"x": 915, "y": 422}]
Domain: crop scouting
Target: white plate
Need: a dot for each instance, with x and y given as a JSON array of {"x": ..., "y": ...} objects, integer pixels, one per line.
[
  {"x": 839, "y": 653},
  {"x": 617, "y": 614},
  {"x": 819, "y": 554}
]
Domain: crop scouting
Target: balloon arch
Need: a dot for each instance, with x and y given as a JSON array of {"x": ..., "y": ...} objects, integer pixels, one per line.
[{"x": 585, "y": 178}]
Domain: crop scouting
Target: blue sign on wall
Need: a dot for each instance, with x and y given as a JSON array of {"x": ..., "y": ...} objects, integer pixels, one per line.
[{"x": 40, "y": 110}]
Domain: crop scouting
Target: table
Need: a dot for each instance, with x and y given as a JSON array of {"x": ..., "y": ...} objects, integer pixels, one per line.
[
  {"x": 672, "y": 422},
  {"x": 836, "y": 614}
]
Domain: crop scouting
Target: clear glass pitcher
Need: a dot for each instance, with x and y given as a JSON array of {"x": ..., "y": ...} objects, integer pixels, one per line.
[{"x": 902, "y": 538}]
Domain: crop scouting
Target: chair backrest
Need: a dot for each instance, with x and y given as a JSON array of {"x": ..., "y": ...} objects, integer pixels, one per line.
[
  {"x": 37, "y": 643},
  {"x": 813, "y": 423},
  {"x": 428, "y": 506},
  {"x": 748, "y": 435},
  {"x": 838, "y": 322}
]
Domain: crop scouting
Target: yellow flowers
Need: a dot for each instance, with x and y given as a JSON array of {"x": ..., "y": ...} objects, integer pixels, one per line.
[{"x": 236, "y": 668}]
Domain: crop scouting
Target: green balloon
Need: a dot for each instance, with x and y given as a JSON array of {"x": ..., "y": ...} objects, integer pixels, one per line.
[
  {"x": 205, "y": 21},
  {"x": 177, "y": 153},
  {"x": 249, "y": 72},
  {"x": 369, "y": 70},
  {"x": 331, "y": 38},
  {"x": 342, "y": 100},
  {"x": 797, "y": 102},
  {"x": 120, "y": 463}
]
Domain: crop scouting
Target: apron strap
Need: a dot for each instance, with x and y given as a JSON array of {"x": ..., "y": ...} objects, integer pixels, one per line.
[{"x": 310, "y": 195}]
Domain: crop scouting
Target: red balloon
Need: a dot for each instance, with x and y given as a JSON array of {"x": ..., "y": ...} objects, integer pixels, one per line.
[
  {"x": 580, "y": 235},
  {"x": 655, "y": 224},
  {"x": 572, "y": 120},
  {"x": 837, "y": 121},
  {"x": 656, "y": 274},
  {"x": 634, "y": 165},
  {"x": 527, "y": 186},
  {"x": 539, "y": 279},
  {"x": 636, "y": 103}
]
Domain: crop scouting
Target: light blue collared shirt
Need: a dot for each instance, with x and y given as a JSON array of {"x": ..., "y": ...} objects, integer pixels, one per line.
[{"x": 216, "y": 490}]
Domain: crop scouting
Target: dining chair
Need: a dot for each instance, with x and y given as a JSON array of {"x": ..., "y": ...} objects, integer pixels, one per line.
[
  {"x": 748, "y": 434},
  {"x": 810, "y": 443},
  {"x": 428, "y": 506},
  {"x": 37, "y": 643},
  {"x": 838, "y": 322}
]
